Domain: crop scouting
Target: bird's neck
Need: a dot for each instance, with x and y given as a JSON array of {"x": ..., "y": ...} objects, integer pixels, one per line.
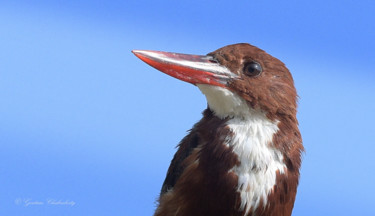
[{"x": 250, "y": 137}]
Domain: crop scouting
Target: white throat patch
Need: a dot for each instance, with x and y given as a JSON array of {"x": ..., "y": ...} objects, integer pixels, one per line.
[
  {"x": 251, "y": 142},
  {"x": 223, "y": 102}
]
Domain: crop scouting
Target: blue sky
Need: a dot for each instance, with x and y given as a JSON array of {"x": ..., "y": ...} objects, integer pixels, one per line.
[{"x": 83, "y": 121}]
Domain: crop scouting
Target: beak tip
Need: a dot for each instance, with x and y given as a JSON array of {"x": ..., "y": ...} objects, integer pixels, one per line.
[
  {"x": 137, "y": 53},
  {"x": 140, "y": 53}
]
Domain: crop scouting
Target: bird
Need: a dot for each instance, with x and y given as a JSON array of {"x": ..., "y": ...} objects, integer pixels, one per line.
[{"x": 243, "y": 157}]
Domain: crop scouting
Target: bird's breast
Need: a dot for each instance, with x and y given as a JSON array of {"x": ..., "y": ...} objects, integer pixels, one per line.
[{"x": 259, "y": 161}]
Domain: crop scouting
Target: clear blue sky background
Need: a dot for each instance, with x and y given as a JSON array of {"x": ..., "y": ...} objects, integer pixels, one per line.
[{"x": 83, "y": 120}]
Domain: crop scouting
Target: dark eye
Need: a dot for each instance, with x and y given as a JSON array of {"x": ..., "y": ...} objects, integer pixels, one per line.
[{"x": 252, "y": 69}]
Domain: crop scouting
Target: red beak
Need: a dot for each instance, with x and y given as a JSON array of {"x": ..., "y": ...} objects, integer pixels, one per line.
[{"x": 195, "y": 69}]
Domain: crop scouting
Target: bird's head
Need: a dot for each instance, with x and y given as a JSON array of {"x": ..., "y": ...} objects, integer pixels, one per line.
[{"x": 236, "y": 79}]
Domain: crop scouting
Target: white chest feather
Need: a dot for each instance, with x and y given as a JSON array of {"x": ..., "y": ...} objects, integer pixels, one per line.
[
  {"x": 251, "y": 142},
  {"x": 259, "y": 160}
]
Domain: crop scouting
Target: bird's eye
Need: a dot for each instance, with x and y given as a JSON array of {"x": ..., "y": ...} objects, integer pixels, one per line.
[{"x": 252, "y": 69}]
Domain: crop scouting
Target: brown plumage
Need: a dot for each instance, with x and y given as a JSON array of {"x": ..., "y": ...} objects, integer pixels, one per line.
[{"x": 201, "y": 179}]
